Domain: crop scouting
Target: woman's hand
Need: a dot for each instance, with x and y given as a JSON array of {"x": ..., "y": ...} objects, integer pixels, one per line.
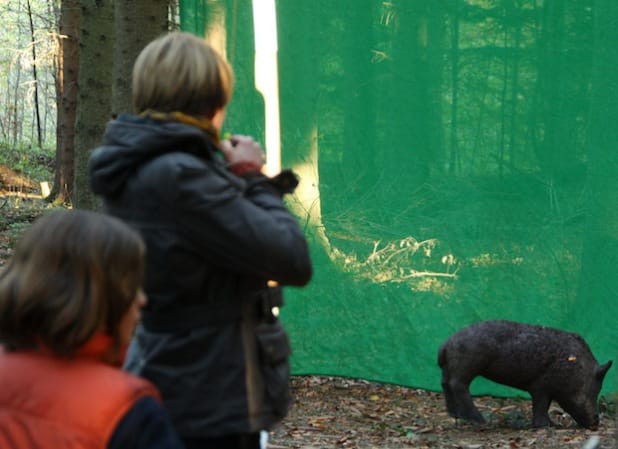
[{"x": 243, "y": 153}]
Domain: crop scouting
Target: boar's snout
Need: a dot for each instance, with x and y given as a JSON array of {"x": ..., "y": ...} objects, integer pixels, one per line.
[
  {"x": 586, "y": 420},
  {"x": 592, "y": 425}
]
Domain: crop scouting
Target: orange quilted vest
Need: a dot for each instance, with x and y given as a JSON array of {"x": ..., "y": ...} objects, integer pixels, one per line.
[{"x": 50, "y": 403}]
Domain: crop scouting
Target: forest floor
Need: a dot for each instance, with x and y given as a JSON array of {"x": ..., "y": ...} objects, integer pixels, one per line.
[{"x": 334, "y": 412}]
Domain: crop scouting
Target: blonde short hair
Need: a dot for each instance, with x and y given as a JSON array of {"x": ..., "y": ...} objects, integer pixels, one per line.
[{"x": 181, "y": 72}]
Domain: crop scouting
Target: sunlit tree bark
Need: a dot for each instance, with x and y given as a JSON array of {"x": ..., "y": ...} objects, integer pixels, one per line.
[
  {"x": 66, "y": 88},
  {"x": 299, "y": 109}
]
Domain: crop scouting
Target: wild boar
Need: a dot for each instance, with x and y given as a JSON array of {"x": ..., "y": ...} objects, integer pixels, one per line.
[{"x": 550, "y": 364}]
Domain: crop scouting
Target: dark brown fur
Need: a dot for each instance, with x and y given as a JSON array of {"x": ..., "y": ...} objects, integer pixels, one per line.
[{"x": 550, "y": 364}]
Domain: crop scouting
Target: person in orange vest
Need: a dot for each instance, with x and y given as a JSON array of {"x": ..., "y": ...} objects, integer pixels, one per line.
[{"x": 70, "y": 297}]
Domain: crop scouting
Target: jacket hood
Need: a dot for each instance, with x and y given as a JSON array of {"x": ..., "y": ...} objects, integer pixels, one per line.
[{"x": 130, "y": 141}]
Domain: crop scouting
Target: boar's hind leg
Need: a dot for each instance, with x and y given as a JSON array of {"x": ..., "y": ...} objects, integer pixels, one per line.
[
  {"x": 459, "y": 402},
  {"x": 451, "y": 403},
  {"x": 540, "y": 406}
]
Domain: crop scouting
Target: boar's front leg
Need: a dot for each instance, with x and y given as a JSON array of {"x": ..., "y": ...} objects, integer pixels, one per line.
[{"x": 540, "y": 406}]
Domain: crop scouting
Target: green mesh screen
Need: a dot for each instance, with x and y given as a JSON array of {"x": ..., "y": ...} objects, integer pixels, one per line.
[{"x": 458, "y": 162}]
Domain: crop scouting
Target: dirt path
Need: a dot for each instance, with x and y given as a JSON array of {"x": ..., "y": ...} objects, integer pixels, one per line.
[{"x": 345, "y": 413}]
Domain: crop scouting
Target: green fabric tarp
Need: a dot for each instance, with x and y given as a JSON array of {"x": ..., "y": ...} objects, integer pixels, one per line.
[{"x": 458, "y": 162}]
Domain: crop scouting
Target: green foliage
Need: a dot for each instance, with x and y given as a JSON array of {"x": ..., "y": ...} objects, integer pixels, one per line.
[
  {"x": 35, "y": 163},
  {"x": 16, "y": 230},
  {"x": 16, "y": 214},
  {"x": 28, "y": 64}
]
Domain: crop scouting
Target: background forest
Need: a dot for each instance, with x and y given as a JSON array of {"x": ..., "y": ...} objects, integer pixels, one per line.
[
  {"x": 458, "y": 162},
  {"x": 27, "y": 89},
  {"x": 49, "y": 48},
  {"x": 458, "y": 157}
]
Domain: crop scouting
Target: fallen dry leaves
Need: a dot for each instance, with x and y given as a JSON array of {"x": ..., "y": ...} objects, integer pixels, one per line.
[{"x": 331, "y": 412}]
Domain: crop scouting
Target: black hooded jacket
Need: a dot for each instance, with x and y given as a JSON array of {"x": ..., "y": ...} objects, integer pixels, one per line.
[{"x": 215, "y": 244}]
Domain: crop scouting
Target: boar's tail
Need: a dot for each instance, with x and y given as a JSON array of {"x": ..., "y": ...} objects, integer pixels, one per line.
[
  {"x": 442, "y": 356},
  {"x": 443, "y": 363}
]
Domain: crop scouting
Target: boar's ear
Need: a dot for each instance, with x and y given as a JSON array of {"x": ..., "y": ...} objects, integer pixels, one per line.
[{"x": 602, "y": 370}]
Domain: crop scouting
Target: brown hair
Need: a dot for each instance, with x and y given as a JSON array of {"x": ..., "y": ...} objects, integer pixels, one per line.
[
  {"x": 179, "y": 72},
  {"x": 73, "y": 274}
]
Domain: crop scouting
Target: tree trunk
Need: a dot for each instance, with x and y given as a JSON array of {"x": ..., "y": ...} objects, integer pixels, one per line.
[
  {"x": 66, "y": 88},
  {"x": 94, "y": 97},
  {"x": 299, "y": 106},
  {"x": 598, "y": 292},
  {"x": 35, "y": 77},
  {"x": 411, "y": 91},
  {"x": 563, "y": 71},
  {"x": 136, "y": 23},
  {"x": 453, "y": 160}
]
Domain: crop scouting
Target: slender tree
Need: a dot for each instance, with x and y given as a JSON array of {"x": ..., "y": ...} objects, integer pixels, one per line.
[
  {"x": 453, "y": 161},
  {"x": 599, "y": 284},
  {"x": 360, "y": 58},
  {"x": 563, "y": 68},
  {"x": 35, "y": 76},
  {"x": 66, "y": 94},
  {"x": 412, "y": 84}
]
